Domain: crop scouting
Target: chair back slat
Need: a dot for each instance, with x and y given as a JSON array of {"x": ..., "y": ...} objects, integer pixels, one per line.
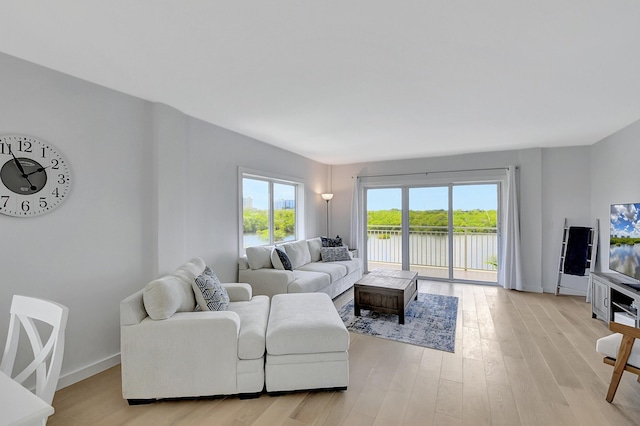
[{"x": 23, "y": 312}]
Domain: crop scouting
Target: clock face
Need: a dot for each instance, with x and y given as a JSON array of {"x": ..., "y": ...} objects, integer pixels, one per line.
[{"x": 34, "y": 177}]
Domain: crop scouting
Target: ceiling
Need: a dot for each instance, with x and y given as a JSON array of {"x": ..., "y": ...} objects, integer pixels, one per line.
[{"x": 356, "y": 80}]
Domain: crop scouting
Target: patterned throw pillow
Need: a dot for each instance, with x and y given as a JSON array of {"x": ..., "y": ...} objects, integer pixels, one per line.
[
  {"x": 334, "y": 254},
  {"x": 210, "y": 294},
  {"x": 332, "y": 242},
  {"x": 209, "y": 271},
  {"x": 280, "y": 259}
]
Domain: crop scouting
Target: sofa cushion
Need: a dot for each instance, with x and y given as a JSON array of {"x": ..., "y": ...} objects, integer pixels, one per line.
[
  {"x": 259, "y": 257},
  {"x": 308, "y": 281},
  {"x": 334, "y": 270},
  {"x": 331, "y": 242},
  {"x": 254, "y": 315},
  {"x": 280, "y": 260},
  {"x": 211, "y": 296},
  {"x": 351, "y": 265},
  {"x": 166, "y": 296},
  {"x": 333, "y": 254},
  {"x": 315, "y": 244},
  {"x": 298, "y": 252}
]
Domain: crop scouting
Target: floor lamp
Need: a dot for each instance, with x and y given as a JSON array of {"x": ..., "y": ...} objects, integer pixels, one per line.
[{"x": 327, "y": 197}]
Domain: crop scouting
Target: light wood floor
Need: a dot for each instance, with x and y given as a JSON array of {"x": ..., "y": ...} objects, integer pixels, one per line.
[{"x": 520, "y": 359}]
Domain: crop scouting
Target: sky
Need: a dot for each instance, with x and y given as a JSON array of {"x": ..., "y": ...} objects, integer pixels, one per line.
[
  {"x": 625, "y": 221},
  {"x": 465, "y": 197},
  {"x": 259, "y": 191}
]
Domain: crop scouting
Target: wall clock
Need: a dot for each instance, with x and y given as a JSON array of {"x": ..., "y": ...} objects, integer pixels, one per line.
[{"x": 34, "y": 176}]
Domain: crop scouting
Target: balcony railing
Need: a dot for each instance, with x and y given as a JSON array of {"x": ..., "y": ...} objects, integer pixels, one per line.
[{"x": 474, "y": 248}]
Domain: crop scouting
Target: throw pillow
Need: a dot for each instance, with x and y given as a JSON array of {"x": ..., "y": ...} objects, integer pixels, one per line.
[
  {"x": 332, "y": 242},
  {"x": 334, "y": 254},
  {"x": 210, "y": 294},
  {"x": 280, "y": 259},
  {"x": 208, "y": 271}
]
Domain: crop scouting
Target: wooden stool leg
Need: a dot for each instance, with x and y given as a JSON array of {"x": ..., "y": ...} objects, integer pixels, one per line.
[{"x": 621, "y": 361}]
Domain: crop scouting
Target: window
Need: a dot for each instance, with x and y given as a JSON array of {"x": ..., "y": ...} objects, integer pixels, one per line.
[{"x": 270, "y": 210}]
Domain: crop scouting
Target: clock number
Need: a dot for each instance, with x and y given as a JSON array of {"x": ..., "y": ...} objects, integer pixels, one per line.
[
  {"x": 3, "y": 150},
  {"x": 61, "y": 179},
  {"x": 43, "y": 152},
  {"x": 25, "y": 206},
  {"x": 55, "y": 193},
  {"x": 55, "y": 164},
  {"x": 4, "y": 200},
  {"x": 25, "y": 146},
  {"x": 43, "y": 202}
]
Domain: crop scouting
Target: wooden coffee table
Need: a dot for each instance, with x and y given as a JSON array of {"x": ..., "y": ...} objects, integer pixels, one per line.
[{"x": 388, "y": 291}]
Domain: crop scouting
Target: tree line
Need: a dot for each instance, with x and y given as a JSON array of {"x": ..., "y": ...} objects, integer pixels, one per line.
[{"x": 461, "y": 218}]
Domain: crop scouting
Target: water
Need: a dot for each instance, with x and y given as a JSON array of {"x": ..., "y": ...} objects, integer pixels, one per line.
[{"x": 625, "y": 259}]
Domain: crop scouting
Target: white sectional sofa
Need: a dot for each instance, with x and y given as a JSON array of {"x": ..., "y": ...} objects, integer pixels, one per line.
[{"x": 309, "y": 272}]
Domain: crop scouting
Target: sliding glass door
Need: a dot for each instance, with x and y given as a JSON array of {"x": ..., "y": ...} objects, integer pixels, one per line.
[{"x": 444, "y": 232}]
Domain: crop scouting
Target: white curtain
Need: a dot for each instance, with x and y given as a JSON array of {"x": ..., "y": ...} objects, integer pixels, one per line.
[
  {"x": 356, "y": 232},
  {"x": 510, "y": 274}
]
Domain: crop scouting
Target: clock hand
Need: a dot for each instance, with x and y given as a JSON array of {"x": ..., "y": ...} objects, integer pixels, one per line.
[
  {"x": 40, "y": 169},
  {"x": 24, "y": 175},
  {"x": 15, "y": 160}
]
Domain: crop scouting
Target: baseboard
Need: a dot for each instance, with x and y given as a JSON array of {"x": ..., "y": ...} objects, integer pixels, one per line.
[{"x": 83, "y": 373}]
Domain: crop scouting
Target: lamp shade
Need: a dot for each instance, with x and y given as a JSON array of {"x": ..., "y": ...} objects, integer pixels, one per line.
[{"x": 327, "y": 197}]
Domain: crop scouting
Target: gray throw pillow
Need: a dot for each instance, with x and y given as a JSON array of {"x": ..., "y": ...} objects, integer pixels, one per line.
[{"x": 334, "y": 254}]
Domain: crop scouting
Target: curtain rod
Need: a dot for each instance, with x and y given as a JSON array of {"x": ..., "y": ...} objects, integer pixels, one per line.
[{"x": 440, "y": 171}]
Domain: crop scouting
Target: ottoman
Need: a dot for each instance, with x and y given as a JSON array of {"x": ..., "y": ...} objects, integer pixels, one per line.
[{"x": 307, "y": 344}]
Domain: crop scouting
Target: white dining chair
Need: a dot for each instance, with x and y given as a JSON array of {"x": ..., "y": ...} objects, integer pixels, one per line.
[{"x": 47, "y": 358}]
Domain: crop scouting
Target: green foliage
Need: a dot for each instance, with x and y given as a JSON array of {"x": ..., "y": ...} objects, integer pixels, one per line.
[
  {"x": 431, "y": 218},
  {"x": 257, "y": 222},
  {"x": 619, "y": 241}
]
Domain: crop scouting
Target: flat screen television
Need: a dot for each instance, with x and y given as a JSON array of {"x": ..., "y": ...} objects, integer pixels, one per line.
[{"x": 624, "y": 242}]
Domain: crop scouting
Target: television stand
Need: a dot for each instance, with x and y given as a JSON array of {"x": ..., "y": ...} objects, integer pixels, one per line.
[{"x": 614, "y": 300}]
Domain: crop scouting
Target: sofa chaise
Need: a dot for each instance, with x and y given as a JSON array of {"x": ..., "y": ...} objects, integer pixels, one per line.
[{"x": 169, "y": 349}]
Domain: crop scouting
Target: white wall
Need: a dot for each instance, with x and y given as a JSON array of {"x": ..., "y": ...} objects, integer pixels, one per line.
[
  {"x": 615, "y": 162},
  {"x": 93, "y": 249},
  {"x": 152, "y": 188},
  {"x": 566, "y": 194}
]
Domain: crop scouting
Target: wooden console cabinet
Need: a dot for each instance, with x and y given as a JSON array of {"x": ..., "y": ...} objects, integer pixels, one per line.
[{"x": 612, "y": 298}]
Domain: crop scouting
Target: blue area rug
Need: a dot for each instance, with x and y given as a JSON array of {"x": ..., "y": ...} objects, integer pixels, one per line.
[{"x": 430, "y": 321}]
